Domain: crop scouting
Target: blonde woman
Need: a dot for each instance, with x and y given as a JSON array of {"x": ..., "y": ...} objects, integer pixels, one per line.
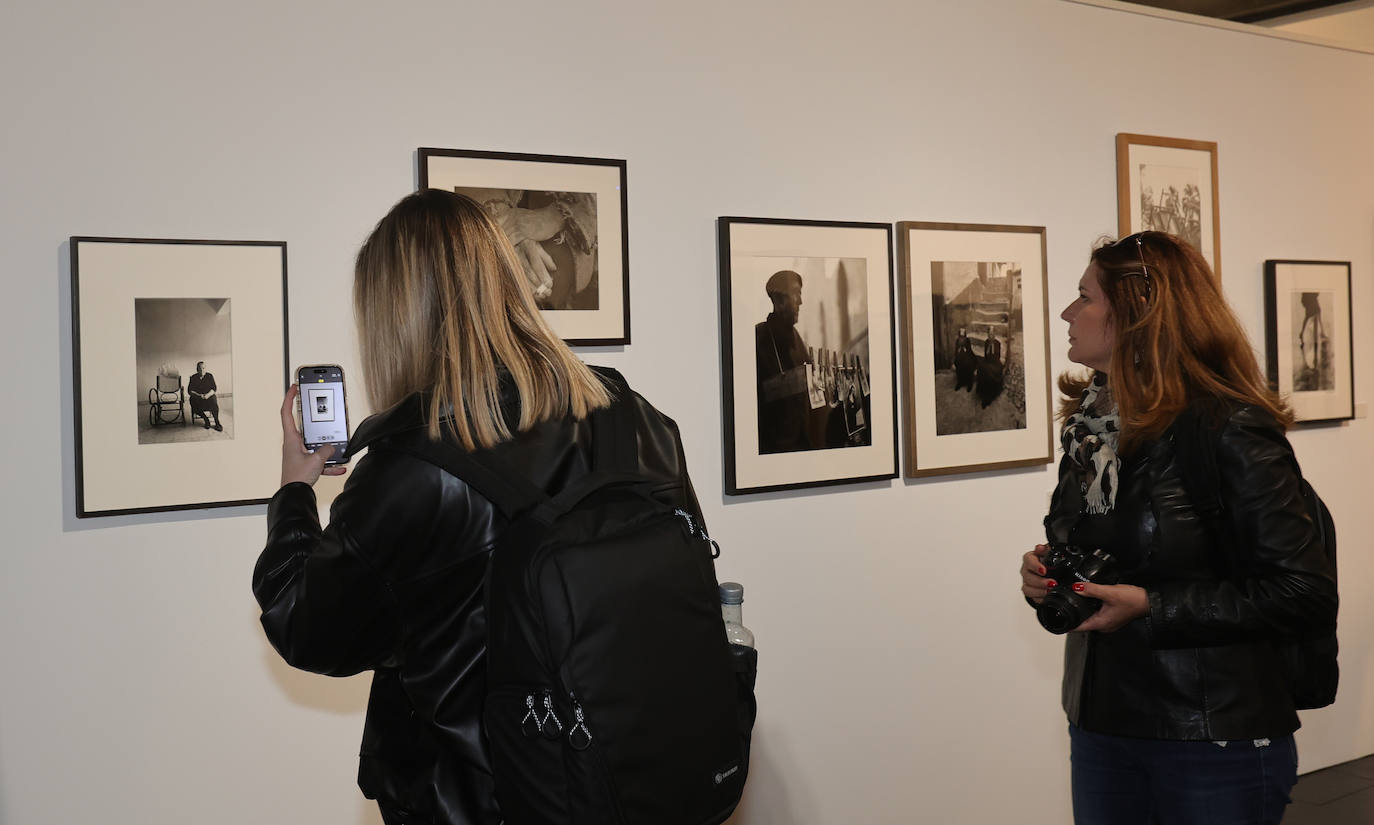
[{"x": 455, "y": 355}]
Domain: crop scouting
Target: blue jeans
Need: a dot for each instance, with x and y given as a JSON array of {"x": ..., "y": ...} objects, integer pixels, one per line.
[{"x": 1123, "y": 781}]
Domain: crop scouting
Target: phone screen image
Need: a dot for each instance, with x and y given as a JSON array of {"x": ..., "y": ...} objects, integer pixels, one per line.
[{"x": 324, "y": 411}]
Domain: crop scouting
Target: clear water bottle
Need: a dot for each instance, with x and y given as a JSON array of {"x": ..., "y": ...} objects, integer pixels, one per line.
[{"x": 731, "y": 601}]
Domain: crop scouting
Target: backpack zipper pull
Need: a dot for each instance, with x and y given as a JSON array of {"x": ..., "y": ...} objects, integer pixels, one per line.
[
  {"x": 550, "y": 726},
  {"x": 579, "y": 737},
  {"x": 686, "y": 517},
  {"x": 530, "y": 725},
  {"x": 699, "y": 532}
]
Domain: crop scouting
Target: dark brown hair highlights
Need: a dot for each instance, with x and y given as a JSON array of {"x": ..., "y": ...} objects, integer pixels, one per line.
[
  {"x": 1176, "y": 338},
  {"x": 442, "y": 306}
]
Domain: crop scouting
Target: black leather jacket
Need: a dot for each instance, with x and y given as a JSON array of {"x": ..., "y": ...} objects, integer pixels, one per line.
[
  {"x": 1202, "y": 664},
  {"x": 395, "y": 584}
]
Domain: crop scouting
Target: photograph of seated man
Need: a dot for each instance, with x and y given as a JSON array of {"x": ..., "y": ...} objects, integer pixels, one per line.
[{"x": 202, "y": 389}]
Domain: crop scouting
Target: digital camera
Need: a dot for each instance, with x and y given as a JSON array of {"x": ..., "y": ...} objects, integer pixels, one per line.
[{"x": 1062, "y": 609}]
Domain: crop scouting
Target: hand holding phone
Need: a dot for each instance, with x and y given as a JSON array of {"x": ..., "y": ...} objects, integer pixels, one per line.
[
  {"x": 305, "y": 456},
  {"x": 324, "y": 409},
  {"x": 297, "y": 463}
]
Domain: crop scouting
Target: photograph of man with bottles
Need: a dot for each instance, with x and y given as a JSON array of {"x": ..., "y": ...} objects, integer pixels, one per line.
[{"x": 811, "y": 356}]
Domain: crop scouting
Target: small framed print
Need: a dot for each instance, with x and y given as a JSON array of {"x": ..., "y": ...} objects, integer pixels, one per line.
[
  {"x": 807, "y": 358},
  {"x": 1307, "y": 337},
  {"x": 321, "y": 404},
  {"x": 1169, "y": 185},
  {"x": 176, "y": 372},
  {"x": 975, "y": 347},
  {"x": 566, "y": 218}
]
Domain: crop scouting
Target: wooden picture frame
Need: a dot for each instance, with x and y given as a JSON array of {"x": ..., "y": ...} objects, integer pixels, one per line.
[
  {"x": 1308, "y": 338},
  {"x": 184, "y": 328},
  {"x": 1170, "y": 185},
  {"x": 820, "y": 407},
  {"x": 566, "y": 217},
  {"x": 975, "y": 347}
]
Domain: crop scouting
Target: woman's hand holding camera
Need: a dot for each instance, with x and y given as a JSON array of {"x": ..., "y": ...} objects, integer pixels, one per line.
[
  {"x": 1121, "y": 604},
  {"x": 1034, "y": 585},
  {"x": 297, "y": 463}
]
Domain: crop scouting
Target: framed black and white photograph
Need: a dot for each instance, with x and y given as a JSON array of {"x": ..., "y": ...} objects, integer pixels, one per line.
[
  {"x": 566, "y": 218},
  {"x": 1169, "y": 185},
  {"x": 320, "y": 404},
  {"x": 186, "y": 345},
  {"x": 177, "y": 372},
  {"x": 975, "y": 347},
  {"x": 807, "y": 353},
  {"x": 1307, "y": 337}
]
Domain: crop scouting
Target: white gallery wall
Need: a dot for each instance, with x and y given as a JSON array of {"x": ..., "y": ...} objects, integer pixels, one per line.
[{"x": 903, "y": 679}]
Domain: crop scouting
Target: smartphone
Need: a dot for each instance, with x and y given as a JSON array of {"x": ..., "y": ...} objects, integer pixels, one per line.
[{"x": 324, "y": 408}]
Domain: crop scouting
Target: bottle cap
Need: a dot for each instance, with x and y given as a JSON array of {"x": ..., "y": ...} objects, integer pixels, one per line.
[{"x": 731, "y": 593}]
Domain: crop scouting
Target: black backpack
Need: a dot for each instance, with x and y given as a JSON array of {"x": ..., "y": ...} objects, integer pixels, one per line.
[
  {"x": 1310, "y": 661},
  {"x": 612, "y": 693}
]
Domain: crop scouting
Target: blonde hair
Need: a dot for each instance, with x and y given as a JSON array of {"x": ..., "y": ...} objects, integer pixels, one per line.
[
  {"x": 442, "y": 307},
  {"x": 1176, "y": 340}
]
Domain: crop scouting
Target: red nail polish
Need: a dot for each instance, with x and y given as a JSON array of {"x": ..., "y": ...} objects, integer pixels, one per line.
[
  {"x": 1051, "y": 584},
  {"x": 1042, "y": 571},
  {"x": 1078, "y": 587}
]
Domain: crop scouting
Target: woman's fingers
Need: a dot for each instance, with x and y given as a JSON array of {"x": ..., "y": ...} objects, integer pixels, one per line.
[
  {"x": 1034, "y": 585},
  {"x": 288, "y": 416},
  {"x": 1121, "y": 603},
  {"x": 299, "y": 465},
  {"x": 296, "y": 463}
]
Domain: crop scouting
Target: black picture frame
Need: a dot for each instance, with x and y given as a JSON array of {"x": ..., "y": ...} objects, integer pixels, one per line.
[
  {"x": 587, "y": 302},
  {"x": 847, "y": 432},
  {"x": 137, "y": 302},
  {"x": 1313, "y": 367}
]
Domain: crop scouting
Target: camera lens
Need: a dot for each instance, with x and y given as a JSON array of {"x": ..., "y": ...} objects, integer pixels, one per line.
[{"x": 1060, "y": 614}]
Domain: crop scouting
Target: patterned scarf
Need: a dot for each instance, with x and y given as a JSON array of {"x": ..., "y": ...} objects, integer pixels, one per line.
[{"x": 1090, "y": 437}]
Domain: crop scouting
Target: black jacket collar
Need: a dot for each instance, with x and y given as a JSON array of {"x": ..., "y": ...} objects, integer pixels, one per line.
[{"x": 406, "y": 416}]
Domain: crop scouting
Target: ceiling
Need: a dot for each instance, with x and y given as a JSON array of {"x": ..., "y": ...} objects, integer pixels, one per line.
[
  {"x": 1341, "y": 23},
  {"x": 1242, "y": 11}
]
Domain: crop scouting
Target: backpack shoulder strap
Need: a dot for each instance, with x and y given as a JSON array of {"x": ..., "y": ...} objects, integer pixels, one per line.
[
  {"x": 1195, "y": 455},
  {"x": 614, "y": 459},
  {"x": 509, "y": 492},
  {"x": 615, "y": 446},
  {"x": 615, "y": 434}
]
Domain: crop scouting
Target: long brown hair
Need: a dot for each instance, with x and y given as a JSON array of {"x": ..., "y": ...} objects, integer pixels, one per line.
[
  {"x": 1176, "y": 340},
  {"x": 443, "y": 306}
]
